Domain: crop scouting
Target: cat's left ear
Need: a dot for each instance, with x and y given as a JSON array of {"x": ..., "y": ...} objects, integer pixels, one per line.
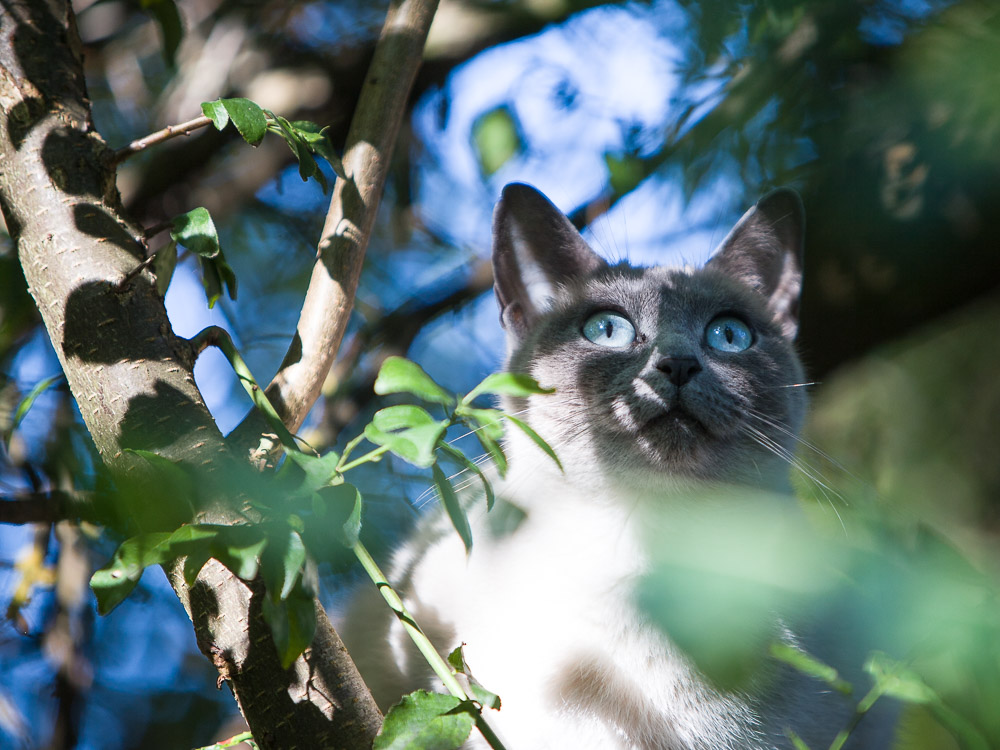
[
  {"x": 536, "y": 249},
  {"x": 764, "y": 251}
]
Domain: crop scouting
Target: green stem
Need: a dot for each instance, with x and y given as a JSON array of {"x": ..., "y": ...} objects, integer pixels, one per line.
[
  {"x": 859, "y": 713},
  {"x": 220, "y": 338},
  {"x": 370, "y": 456},
  {"x": 438, "y": 664}
]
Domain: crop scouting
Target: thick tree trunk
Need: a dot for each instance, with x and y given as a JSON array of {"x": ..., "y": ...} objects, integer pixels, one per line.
[{"x": 132, "y": 377}]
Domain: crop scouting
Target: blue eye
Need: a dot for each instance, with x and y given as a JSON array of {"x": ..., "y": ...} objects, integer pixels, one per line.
[
  {"x": 608, "y": 328},
  {"x": 728, "y": 334}
]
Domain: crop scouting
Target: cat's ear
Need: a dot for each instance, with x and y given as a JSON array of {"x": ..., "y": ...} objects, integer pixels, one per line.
[
  {"x": 535, "y": 250},
  {"x": 764, "y": 251}
]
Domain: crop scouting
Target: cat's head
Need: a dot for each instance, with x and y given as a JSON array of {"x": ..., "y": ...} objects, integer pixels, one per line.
[{"x": 661, "y": 374}]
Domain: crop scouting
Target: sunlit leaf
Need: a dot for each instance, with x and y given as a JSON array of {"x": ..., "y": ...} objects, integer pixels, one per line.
[
  {"x": 216, "y": 112},
  {"x": 413, "y": 444},
  {"x": 486, "y": 697},
  {"x": 400, "y": 416},
  {"x": 248, "y": 118},
  {"x": 488, "y": 420},
  {"x": 426, "y": 721},
  {"x": 28, "y": 401},
  {"x": 319, "y": 470},
  {"x": 196, "y": 231},
  {"x": 399, "y": 375},
  {"x": 507, "y": 384}
]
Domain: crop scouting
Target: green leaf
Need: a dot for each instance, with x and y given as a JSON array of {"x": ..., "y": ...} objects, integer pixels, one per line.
[
  {"x": 464, "y": 460},
  {"x": 455, "y": 510},
  {"x": 414, "y": 444},
  {"x": 303, "y": 154},
  {"x": 319, "y": 142},
  {"x": 214, "y": 272},
  {"x": 399, "y": 375},
  {"x": 282, "y": 560},
  {"x": 342, "y": 505},
  {"x": 426, "y": 721},
  {"x": 239, "y": 548},
  {"x": 293, "y": 623},
  {"x": 488, "y": 420},
  {"x": 493, "y": 448},
  {"x": 173, "y": 480},
  {"x": 894, "y": 679},
  {"x": 163, "y": 266},
  {"x": 485, "y": 697},
  {"x": 196, "y": 231},
  {"x": 797, "y": 741},
  {"x": 248, "y": 117},
  {"x": 115, "y": 581},
  {"x": 808, "y": 664},
  {"x": 403, "y": 415},
  {"x": 497, "y": 138},
  {"x": 28, "y": 401},
  {"x": 507, "y": 384},
  {"x": 319, "y": 471},
  {"x": 169, "y": 21},
  {"x": 536, "y": 438},
  {"x": 216, "y": 112}
]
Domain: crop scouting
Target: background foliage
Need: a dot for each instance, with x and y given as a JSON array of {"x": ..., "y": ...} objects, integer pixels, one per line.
[{"x": 655, "y": 124}]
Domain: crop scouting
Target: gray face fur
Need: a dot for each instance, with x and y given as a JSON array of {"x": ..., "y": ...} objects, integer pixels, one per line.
[{"x": 666, "y": 406}]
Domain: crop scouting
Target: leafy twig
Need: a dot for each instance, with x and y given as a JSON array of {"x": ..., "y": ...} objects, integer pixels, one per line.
[{"x": 171, "y": 131}]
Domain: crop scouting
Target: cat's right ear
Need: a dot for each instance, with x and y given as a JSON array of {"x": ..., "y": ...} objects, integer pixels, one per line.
[{"x": 535, "y": 249}]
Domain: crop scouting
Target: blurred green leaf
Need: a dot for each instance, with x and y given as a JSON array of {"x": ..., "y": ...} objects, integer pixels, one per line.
[
  {"x": 454, "y": 508},
  {"x": 282, "y": 560},
  {"x": 319, "y": 471},
  {"x": 169, "y": 20},
  {"x": 399, "y": 375},
  {"x": 810, "y": 665},
  {"x": 293, "y": 623},
  {"x": 28, "y": 401},
  {"x": 342, "y": 512},
  {"x": 426, "y": 721},
  {"x": 496, "y": 138},
  {"x": 114, "y": 582}
]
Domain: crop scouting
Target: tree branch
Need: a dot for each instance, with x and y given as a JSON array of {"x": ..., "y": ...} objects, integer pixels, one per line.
[
  {"x": 171, "y": 131},
  {"x": 368, "y": 151}
]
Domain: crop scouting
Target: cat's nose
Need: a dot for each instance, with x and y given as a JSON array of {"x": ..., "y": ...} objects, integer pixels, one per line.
[{"x": 679, "y": 369}]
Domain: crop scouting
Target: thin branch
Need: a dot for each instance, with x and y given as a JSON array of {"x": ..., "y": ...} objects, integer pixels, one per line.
[
  {"x": 367, "y": 156},
  {"x": 171, "y": 131},
  {"x": 38, "y": 507}
]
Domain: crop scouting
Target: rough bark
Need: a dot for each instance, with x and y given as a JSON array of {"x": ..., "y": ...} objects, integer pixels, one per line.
[{"x": 132, "y": 377}]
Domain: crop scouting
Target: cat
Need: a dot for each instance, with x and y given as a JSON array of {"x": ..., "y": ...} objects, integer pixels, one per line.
[{"x": 666, "y": 380}]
